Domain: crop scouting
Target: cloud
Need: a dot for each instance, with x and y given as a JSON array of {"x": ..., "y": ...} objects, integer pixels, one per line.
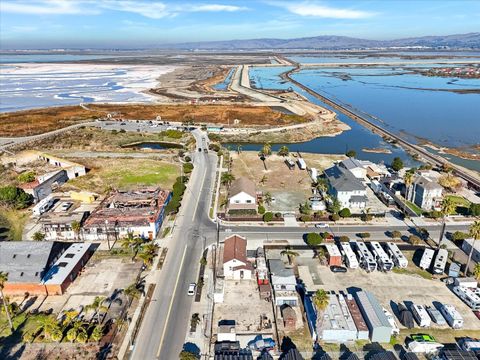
[
  {"x": 46, "y": 7},
  {"x": 314, "y": 9},
  {"x": 149, "y": 9}
]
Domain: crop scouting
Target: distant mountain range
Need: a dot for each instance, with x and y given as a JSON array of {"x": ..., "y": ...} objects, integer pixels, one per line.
[{"x": 331, "y": 42}]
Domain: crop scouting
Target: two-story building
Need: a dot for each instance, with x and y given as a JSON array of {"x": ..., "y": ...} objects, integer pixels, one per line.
[
  {"x": 425, "y": 193},
  {"x": 283, "y": 282},
  {"x": 235, "y": 263},
  {"x": 347, "y": 188}
]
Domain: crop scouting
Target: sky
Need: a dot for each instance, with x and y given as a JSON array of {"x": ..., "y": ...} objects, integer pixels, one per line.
[{"x": 133, "y": 24}]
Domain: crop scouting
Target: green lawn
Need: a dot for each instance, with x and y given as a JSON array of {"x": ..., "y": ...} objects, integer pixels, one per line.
[
  {"x": 126, "y": 174},
  {"x": 413, "y": 271},
  {"x": 415, "y": 208},
  {"x": 12, "y": 223},
  {"x": 462, "y": 203}
]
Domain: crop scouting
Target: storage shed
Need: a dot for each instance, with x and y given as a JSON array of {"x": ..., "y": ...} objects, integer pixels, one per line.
[{"x": 378, "y": 324}]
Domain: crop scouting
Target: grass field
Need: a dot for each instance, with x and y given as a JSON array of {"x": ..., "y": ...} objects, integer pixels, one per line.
[
  {"x": 12, "y": 223},
  {"x": 125, "y": 174},
  {"x": 22, "y": 323},
  {"x": 462, "y": 203},
  {"x": 31, "y": 122},
  {"x": 415, "y": 208}
]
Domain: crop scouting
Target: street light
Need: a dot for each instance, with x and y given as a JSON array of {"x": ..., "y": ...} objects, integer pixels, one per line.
[{"x": 106, "y": 233}]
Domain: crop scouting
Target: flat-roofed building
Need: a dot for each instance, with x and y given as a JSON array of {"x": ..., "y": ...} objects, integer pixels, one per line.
[
  {"x": 377, "y": 322},
  {"x": 360, "y": 324},
  {"x": 335, "y": 323},
  {"x": 140, "y": 212}
]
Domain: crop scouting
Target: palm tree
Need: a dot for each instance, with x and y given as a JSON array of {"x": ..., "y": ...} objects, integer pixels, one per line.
[
  {"x": 321, "y": 300},
  {"x": 264, "y": 153},
  {"x": 38, "y": 236},
  {"x": 48, "y": 325},
  {"x": 77, "y": 327},
  {"x": 475, "y": 234},
  {"x": 132, "y": 292},
  {"x": 448, "y": 206},
  {"x": 322, "y": 185},
  {"x": 134, "y": 243},
  {"x": 227, "y": 179},
  {"x": 3, "y": 280},
  {"x": 408, "y": 180},
  {"x": 69, "y": 316},
  {"x": 76, "y": 227},
  {"x": 263, "y": 180},
  {"x": 82, "y": 336},
  {"x": 56, "y": 334},
  {"x": 366, "y": 215},
  {"x": 283, "y": 151},
  {"x": 97, "y": 306},
  {"x": 476, "y": 271},
  {"x": 239, "y": 149},
  {"x": 97, "y": 333},
  {"x": 267, "y": 198},
  {"x": 291, "y": 255},
  {"x": 147, "y": 253}
]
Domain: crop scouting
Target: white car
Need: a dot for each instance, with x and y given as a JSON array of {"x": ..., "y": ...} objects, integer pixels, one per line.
[
  {"x": 321, "y": 225},
  {"x": 191, "y": 289},
  {"x": 66, "y": 206}
]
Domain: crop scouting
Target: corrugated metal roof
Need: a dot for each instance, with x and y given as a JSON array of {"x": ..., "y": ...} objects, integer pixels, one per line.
[{"x": 372, "y": 309}]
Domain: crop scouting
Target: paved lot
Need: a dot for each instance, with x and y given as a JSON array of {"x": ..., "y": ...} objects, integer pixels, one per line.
[
  {"x": 389, "y": 288},
  {"x": 242, "y": 303}
]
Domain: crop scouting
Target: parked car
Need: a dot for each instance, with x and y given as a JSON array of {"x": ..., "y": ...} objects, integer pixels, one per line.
[
  {"x": 321, "y": 225},
  {"x": 477, "y": 314},
  {"x": 338, "y": 269},
  {"x": 66, "y": 206},
  {"x": 191, "y": 289}
]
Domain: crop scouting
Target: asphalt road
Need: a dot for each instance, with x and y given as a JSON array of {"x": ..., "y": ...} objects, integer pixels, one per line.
[{"x": 164, "y": 327}]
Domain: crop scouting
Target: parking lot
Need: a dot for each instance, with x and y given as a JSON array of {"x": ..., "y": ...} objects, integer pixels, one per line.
[{"x": 390, "y": 288}]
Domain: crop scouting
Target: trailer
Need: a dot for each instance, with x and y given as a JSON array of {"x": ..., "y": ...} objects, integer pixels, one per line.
[
  {"x": 384, "y": 261},
  {"x": 436, "y": 315},
  {"x": 314, "y": 175},
  {"x": 301, "y": 164},
  {"x": 470, "y": 296},
  {"x": 43, "y": 205},
  {"x": 440, "y": 261},
  {"x": 366, "y": 259},
  {"x": 453, "y": 317},
  {"x": 349, "y": 256},
  {"x": 393, "y": 323},
  {"x": 333, "y": 255},
  {"x": 397, "y": 256},
  {"x": 427, "y": 258},
  {"x": 421, "y": 315}
]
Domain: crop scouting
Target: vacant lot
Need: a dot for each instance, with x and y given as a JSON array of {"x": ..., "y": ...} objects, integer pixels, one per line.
[
  {"x": 288, "y": 187},
  {"x": 38, "y": 121},
  {"x": 91, "y": 138},
  {"x": 125, "y": 174}
]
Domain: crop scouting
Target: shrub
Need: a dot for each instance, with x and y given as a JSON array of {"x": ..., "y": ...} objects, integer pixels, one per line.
[
  {"x": 187, "y": 159},
  {"x": 187, "y": 168},
  {"x": 26, "y": 177},
  {"x": 344, "y": 238},
  {"x": 261, "y": 209},
  {"x": 345, "y": 213},
  {"x": 351, "y": 153},
  {"x": 305, "y": 218},
  {"x": 395, "y": 234},
  {"x": 474, "y": 209},
  {"x": 172, "y": 134},
  {"x": 414, "y": 240},
  {"x": 278, "y": 215},
  {"x": 242, "y": 212},
  {"x": 314, "y": 239},
  {"x": 122, "y": 131},
  {"x": 268, "y": 216},
  {"x": 214, "y": 147},
  {"x": 459, "y": 235},
  {"x": 335, "y": 217},
  {"x": 14, "y": 197},
  {"x": 435, "y": 214},
  {"x": 364, "y": 235},
  {"x": 397, "y": 164}
]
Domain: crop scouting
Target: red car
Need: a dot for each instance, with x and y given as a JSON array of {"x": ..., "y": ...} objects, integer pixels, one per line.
[{"x": 477, "y": 314}]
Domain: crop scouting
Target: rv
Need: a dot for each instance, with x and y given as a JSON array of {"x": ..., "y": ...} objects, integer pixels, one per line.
[
  {"x": 391, "y": 320},
  {"x": 421, "y": 315},
  {"x": 426, "y": 260},
  {"x": 43, "y": 206},
  {"x": 436, "y": 315},
  {"x": 314, "y": 175},
  {"x": 397, "y": 256},
  {"x": 301, "y": 164},
  {"x": 440, "y": 261},
  {"x": 470, "y": 296},
  {"x": 367, "y": 260},
  {"x": 453, "y": 317},
  {"x": 349, "y": 256},
  {"x": 384, "y": 261}
]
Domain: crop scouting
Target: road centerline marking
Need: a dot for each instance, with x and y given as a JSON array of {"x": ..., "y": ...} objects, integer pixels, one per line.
[{"x": 171, "y": 303}]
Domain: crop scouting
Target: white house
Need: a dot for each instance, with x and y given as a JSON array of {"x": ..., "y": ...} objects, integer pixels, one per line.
[
  {"x": 425, "y": 193},
  {"x": 355, "y": 167},
  {"x": 242, "y": 195},
  {"x": 235, "y": 263},
  {"x": 350, "y": 191},
  {"x": 283, "y": 282}
]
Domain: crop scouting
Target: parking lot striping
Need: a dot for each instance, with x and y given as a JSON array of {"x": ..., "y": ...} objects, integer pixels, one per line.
[{"x": 171, "y": 302}]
